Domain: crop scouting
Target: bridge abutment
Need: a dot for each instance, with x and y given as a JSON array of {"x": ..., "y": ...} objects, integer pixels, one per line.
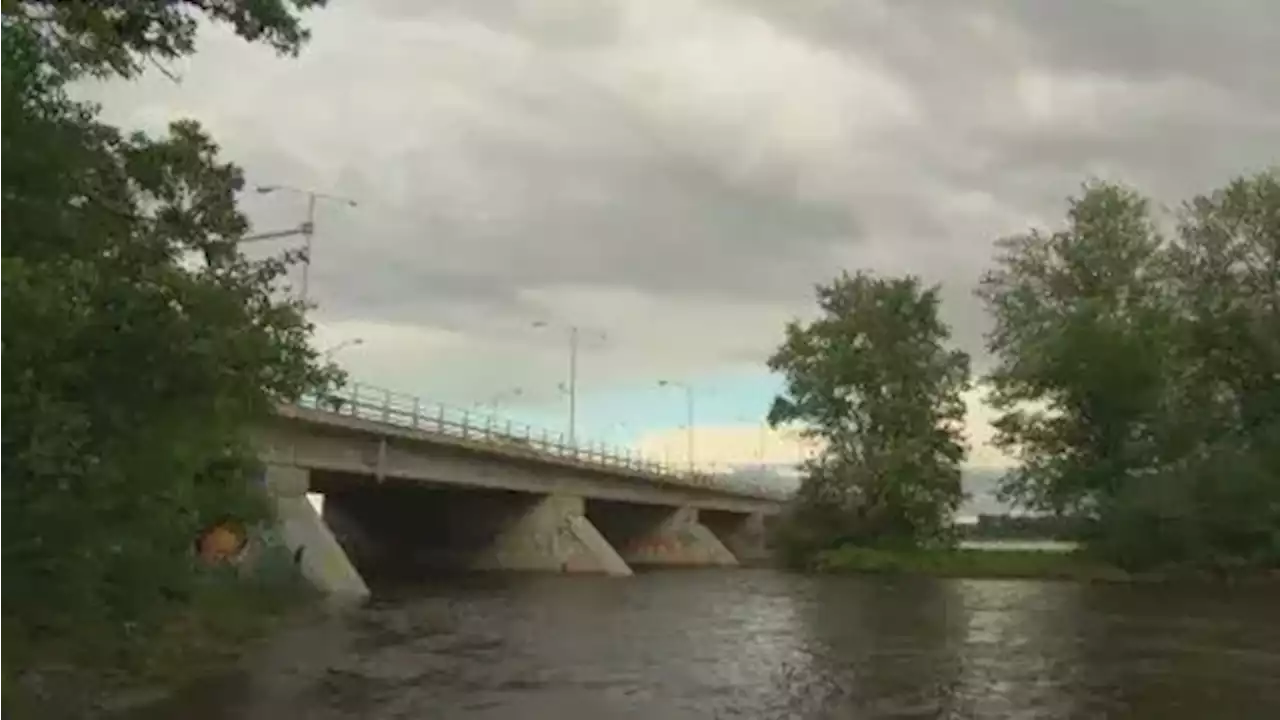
[{"x": 322, "y": 560}]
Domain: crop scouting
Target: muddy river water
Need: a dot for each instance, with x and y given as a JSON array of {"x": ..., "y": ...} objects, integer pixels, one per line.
[{"x": 763, "y": 644}]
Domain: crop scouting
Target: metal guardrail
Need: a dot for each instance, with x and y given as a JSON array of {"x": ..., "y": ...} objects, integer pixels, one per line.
[{"x": 369, "y": 402}]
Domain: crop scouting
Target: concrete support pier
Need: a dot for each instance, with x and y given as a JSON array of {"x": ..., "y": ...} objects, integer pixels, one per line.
[
  {"x": 553, "y": 533},
  {"x": 323, "y": 562},
  {"x": 746, "y": 535},
  {"x": 399, "y": 528},
  {"x": 659, "y": 535}
]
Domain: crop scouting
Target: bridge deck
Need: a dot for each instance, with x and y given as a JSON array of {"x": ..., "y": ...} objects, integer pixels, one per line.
[{"x": 383, "y": 413}]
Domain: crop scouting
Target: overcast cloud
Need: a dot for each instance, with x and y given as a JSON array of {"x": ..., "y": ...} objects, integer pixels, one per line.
[{"x": 681, "y": 172}]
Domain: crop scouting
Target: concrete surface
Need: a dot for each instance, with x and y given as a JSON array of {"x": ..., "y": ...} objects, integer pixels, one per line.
[{"x": 323, "y": 561}]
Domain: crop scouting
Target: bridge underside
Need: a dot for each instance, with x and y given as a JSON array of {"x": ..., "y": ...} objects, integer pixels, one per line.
[{"x": 397, "y": 528}]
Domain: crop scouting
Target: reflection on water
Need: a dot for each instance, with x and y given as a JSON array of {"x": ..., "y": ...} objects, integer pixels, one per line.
[{"x": 761, "y": 644}]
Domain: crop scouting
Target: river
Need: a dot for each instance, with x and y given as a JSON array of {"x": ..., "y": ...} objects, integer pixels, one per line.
[{"x": 762, "y": 644}]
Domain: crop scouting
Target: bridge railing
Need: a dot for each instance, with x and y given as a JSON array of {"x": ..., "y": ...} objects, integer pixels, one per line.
[{"x": 378, "y": 404}]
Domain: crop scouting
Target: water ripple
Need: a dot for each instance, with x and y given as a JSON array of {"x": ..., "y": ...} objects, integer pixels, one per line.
[{"x": 760, "y": 644}]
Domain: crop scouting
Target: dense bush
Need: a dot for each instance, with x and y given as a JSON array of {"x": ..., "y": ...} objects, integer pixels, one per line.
[{"x": 140, "y": 346}]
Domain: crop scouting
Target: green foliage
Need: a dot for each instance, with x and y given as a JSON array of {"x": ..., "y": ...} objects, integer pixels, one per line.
[
  {"x": 1138, "y": 376},
  {"x": 873, "y": 381},
  {"x": 1039, "y": 564},
  {"x": 76, "y": 676},
  {"x": 1080, "y": 330},
  {"x": 118, "y": 37},
  {"x": 140, "y": 346}
]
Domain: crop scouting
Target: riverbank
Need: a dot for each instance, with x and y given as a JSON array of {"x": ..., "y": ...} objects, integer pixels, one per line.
[
  {"x": 99, "y": 670},
  {"x": 975, "y": 563},
  {"x": 1023, "y": 563}
]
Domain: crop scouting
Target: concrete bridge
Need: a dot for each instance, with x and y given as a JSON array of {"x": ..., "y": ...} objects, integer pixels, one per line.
[{"x": 411, "y": 484}]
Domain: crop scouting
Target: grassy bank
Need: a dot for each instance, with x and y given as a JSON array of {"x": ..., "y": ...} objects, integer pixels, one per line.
[
  {"x": 1018, "y": 564},
  {"x": 969, "y": 563},
  {"x": 97, "y": 669}
]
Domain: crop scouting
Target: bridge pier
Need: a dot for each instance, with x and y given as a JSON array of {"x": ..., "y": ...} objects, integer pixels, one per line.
[
  {"x": 396, "y": 529},
  {"x": 744, "y": 534},
  {"x": 552, "y": 534},
  {"x": 322, "y": 560},
  {"x": 658, "y": 535}
]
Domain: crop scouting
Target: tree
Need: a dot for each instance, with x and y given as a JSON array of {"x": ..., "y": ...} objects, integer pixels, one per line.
[
  {"x": 1226, "y": 280},
  {"x": 119, "y": 38},
  {"x": 1081, "y": 328},
  {"x": 873, "y": 381},
  {"x": 1138, "y": 377},
  {"x": 1219, "y": 484},
  {"x": 132, "y": 373}
]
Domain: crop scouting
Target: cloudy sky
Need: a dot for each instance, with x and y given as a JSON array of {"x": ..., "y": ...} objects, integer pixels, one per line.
[{"x": 675, "y": 175}]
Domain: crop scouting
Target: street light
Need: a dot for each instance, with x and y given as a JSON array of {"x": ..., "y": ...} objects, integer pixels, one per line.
[
  {"x": 308, "y": 227},
  {"x": 344, "y": 344},
  {"x": 575, "y": 333},
  {"x": 688, "y": 396}
]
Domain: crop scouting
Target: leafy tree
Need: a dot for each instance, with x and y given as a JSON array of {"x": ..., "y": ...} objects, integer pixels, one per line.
[
  {"x": 874, "y": 382},
  {"x": 1219, "y": 482},
  {"x": 1139, "y": 377},
  {"x": 1226, "y": 280},
  {"x": 1082, "y": 325},
  {"x": 140, "y": 345},
  {"x": 106, "y": 38}
]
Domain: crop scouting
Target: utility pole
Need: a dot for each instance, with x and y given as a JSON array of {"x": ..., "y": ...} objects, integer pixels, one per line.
[
  {"x": 575, "y": 341},
  {"x": 308, "y": 227},
  {"x": 309, "y": 232}
]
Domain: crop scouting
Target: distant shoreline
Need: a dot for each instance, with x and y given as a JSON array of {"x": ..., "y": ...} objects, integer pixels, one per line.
[{"x": 1013, "y": 561}]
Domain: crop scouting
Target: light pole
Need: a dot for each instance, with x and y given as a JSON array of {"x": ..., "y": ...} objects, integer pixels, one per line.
[
  {"x": 308, "y": 227},
  {"x": 688, "y": 396},
  {"x": 575, "y": 336},
  {"x": 328, "y": 354}
]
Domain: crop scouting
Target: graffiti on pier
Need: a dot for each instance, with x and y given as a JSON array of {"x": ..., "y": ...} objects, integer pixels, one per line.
[
  {"x": 663, "y": 544},
  {"x": 655, "y": 546}
]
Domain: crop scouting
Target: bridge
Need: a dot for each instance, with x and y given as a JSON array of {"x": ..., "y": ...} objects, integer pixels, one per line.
[{"x": 407, "y": 483}]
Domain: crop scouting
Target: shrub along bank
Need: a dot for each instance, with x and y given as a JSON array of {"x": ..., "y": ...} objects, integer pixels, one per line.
[
  {"x": 967, "y": 563},
  {"x": 140, "y": 348},
  {"x": 99, "y": 667}
]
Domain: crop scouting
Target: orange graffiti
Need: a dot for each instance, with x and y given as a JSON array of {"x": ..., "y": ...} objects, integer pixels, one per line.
[
  {"x": 220, "y": 544},
  {"x": 661, "y": 545}
]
